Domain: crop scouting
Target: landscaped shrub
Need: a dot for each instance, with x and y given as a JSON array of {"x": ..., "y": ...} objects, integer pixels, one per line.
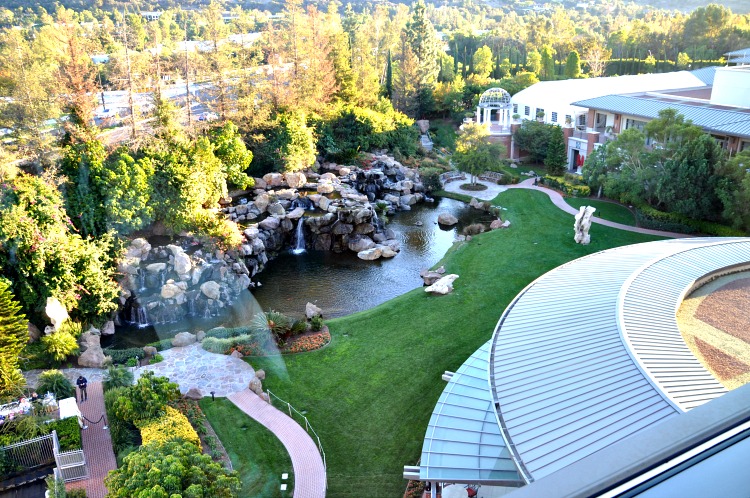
[
  {"x": 224, "y": 345},
  {"x": 309, "y": 342},
  {"x": 117, "y": 376},
  {"x": 162, "y": 344},
  {"x": 121, "y": 356},
  {"x": 124, "y": 433},
  {"x": 654, "y": 219},
  {"x": 156, "y": 359},
  {"x": 54, "y": 381},
  {"x": 223, "y": 333},
  {"x": 59, "y": 345},
  {"x": 192, "y": 410},
  {"x": 147, "y": 399},
  {"x": 68, "y": 433},
  {"x": 431, "y": 179},
  {"x": 316, "y": 323},
  {"x": 299, "y": 327},
  {"x": 172, "y": 425},
  {"x": 567, "y": 188},
  {"x": 75, "y": 493}
]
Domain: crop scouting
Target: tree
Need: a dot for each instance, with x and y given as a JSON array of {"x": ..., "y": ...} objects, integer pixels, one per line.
[
  {"x": 483, "y": 61},
  {"x": 557, "y": 156},
  {"x": 533, "y": 137},
  {"x": 547, "y": 63},
  {"x": 233, "y": 154},
  {"x": 683, "y": 61},
  {"x": 597, "y": 57},
  {"x": 474, "y": 152},
  {"x": 573, "y": 65},
  {"x": 295, "y": 142},
  {"x": 13, "y": 338},
  {"x": 175, "y": 468},
  {"x": 733, "y": 189},
  {"x": 42, "y": 256},
  {"x": 534, "y": 62}
]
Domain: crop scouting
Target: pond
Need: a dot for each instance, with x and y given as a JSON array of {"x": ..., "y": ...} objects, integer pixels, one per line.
[{"x": 339, "y": 284}]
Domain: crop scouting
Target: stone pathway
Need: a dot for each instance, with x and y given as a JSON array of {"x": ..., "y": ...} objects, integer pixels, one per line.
[
  {"x": 309, "y": 472},
  {"x": 193, "y": 366},
  {"x": 97, "y": 444},
  {"x": 91, "y": 374},
  {"x": 557, "y": 199}
]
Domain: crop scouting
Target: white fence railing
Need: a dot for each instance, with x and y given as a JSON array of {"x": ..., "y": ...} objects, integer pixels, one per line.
[
  {"x": 70, "y": 464},
  {"x": 308, "y": 427},
  {"x": 29, "y": 454}
]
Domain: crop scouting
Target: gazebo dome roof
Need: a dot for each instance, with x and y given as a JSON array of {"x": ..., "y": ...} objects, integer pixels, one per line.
[{"x": 496, "y": 98}]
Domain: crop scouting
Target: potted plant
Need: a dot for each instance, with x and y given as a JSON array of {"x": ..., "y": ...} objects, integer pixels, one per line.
[
  {"x": 516, "y": 117},
  {"x": 540, "y": 116}
]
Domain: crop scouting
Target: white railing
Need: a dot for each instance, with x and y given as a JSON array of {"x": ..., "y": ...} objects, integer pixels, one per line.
[
  {"x": 31, "y": 453},
  {"x": 70, "y": 464},
  {"x": 308, "y": 427}
]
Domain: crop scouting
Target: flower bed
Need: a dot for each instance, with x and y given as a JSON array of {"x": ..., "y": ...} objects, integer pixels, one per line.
[
  {"x": 209, "y": 440},
  {"x": 309, "y": 341}
]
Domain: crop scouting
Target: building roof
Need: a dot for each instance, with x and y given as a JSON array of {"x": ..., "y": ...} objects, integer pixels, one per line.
[
  {"x": 589, "y": 354},
  {"x": 463, "y": 441},
  {"x": 705, "y": 74},
  {"x": 740, "y": 52},
  {"x": 714, "y": 118},
  {"x": 739, "y": 60},
  {"x": 553, "y": 94}
]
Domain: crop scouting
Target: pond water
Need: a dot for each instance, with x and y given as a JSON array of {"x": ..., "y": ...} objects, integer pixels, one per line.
[{"x": 339, "y": 284}]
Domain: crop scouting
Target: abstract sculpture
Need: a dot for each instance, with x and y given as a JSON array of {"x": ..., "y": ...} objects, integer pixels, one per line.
[{"x": 582, "y": 225}]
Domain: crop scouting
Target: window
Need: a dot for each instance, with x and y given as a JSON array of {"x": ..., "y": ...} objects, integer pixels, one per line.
[
  {"x": 539, "y": 112},
  {"x": 582, "y": 120},
  {"x": 526, "y": 110},
  {"x": 568, "y": 118},
  {"x": 634, "y": 123},
  {"x": 515, "y": 108},
  {"x": 554, "y": 117}
]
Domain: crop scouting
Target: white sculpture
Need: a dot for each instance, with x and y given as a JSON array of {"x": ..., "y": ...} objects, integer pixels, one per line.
[
  {"x": 56, "y": 312},
  {"x": 442, "y": 286},
  {"x": 582, "y": 225}
]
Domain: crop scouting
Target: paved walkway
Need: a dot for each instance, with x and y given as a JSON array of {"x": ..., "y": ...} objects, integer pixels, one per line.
[
  {"x": 309, "y": 472},
  {"x": 557, "y": 199},
  {"x": 193, "y": 366},
  {"x": 97, "y": 445}
]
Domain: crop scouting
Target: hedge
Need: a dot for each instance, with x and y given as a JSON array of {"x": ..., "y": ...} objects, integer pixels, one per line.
[
  {"x": 173, "y": 425},
  {"x": 121, "y": 356},
  {"x": 654, "y": 219},
  {"x": 222, "y": 345},
  {"x": 567, "y": 188}
]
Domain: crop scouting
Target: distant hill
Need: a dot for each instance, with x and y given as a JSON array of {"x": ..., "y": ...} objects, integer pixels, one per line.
[{"x": 737, "y": 6}]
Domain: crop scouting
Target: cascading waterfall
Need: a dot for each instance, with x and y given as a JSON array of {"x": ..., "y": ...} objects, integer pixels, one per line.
[
  {"x": 375, "y": 219},
  {"x": 299, "y": 237}
]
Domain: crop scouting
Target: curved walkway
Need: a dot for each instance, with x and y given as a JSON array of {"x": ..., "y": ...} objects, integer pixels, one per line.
[
  {"x": 309, "y": 472},
  {"x": 557, "y": 199}
]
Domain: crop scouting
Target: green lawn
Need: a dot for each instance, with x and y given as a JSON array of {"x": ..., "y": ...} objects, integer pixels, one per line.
[
  {"x": 371, "y": 392},
  {"x": 256, "y": 453},
  {"x": 605, "y": 210}
]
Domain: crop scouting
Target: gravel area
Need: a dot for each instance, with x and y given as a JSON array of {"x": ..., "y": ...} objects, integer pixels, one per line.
[{"x": 727, "y": 309}]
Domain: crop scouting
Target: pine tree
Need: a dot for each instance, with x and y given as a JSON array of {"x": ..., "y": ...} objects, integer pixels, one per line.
[
  {"x": 389, "y": 77},
  {"x": 13, "y": 336},
  {"x": 556, "y": 153},
  {"x": 573, "y": 65}
]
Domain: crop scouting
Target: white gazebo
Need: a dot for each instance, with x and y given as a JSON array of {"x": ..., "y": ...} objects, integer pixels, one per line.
[{"x": 497, "y": 100}]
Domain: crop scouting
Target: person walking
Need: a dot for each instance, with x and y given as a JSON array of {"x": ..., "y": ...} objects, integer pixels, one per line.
[{"x": 82, "y": 383}]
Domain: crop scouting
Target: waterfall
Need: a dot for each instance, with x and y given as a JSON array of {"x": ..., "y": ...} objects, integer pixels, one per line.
[
  {"x": 299, "y": 237},
  {"x": 138, "y": 315},
  {"x": 375, "y": 219},
  {"x": 141, "y": 276}
]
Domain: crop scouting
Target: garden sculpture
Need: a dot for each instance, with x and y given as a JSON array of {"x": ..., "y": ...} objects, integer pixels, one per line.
[{"x": 582, "y": 224}]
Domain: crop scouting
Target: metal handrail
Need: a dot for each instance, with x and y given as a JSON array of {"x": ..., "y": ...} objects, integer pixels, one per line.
[{"x": 308, "y": 428}]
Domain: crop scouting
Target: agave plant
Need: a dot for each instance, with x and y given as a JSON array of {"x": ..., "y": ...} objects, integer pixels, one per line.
[
  {"x": 117, "y": 376},
  {"x": 273, "y": 322}
]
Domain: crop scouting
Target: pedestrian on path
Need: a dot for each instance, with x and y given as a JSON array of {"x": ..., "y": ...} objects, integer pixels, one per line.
[{"x": 82, "y": 383}]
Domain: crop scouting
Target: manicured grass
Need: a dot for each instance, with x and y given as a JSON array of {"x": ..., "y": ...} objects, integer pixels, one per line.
[
  {"x": 370, "y": 393},
  {"x": 609, "y": 211},
  {"x": 256, "y": 454}
]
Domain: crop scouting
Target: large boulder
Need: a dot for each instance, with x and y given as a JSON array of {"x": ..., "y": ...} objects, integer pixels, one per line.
[
  {"x": 183, "y": 339},
  {"x": 358, "y": 244},
  {"x": 93, "y": 357},
  {"x": 430, "y": 277},
  {"x": 56, "y": 312},
  {"x": 342, "y": 228},
  {"x": 311, "y": 310},
  {"x": 149, "y": 351},
  {"x": 442, "y": 286},
  {"x": 156, "y": 267},
  {"x": 256, "y": 386},
  {"x": 286, "y": 194},
  {"x": 408, "y": 200},
  {"x": 270, "y": 223},
  {"x": 496, "y": 224},
  {"x": 261, "y": 374},
  {"x": 276, "y": 209},
  {"x": 138, "y": 248},
  {"x": 262, "y": 201},
  {"x": 295, "y": 180},
  {"x": 88, "y": 340},
  {"x": 324, "y": 202},
  {"x": 386, "y": 252},
  {"x": 370, "y": 254},
  {"x": 194, "y": 393},
  {"x": 296, "y": 213},
  {"x": 211, "y": 289},
  {"x": 170, "y": 290},
  {"x": 447, "y": 219},
  {"x": 182, "y": 263},
  {"x": 273, "y": 179},
  {"x": 325, "y": 188}
]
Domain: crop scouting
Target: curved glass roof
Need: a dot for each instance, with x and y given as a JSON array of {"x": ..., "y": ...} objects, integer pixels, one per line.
[
  {"x": 496, "y": 98},
  {"x": 463, "y": 441},
  {"x": 566, "y": 379}
]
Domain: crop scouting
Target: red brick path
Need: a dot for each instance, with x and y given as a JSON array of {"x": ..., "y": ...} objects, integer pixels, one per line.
[
  {"x": 309, "y": 473},
  {"x": 97, "y": 445}
]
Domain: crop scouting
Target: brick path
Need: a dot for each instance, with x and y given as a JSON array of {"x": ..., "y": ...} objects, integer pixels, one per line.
[
  {"x": 309, "y": 473},
  {"x": 97, "y": 445}
]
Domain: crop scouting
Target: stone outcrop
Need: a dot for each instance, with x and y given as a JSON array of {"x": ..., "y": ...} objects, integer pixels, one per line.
[
  {"x": 194, "y": 393},
  {"x": 183, "y": 339},
  {"x": 149, "y": 351},
  {"x": 108, "y": 328},
  {"x": 311, "y": 310},
  {"x": 34, "y": 333},
  {"x": 92, "y": 354},
  {"x": 442, "y": 286}
]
